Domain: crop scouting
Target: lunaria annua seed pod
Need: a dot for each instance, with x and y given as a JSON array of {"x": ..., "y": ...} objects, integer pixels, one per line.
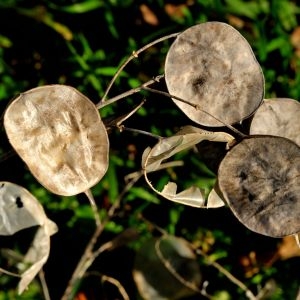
[
  {"x": 278, "y": 116},
  {"x": 59, "y": 134},
  {"x": 260, "y": 180},
  {"x": 212, "y": 66},
  {"x": 166, "y": 268}
]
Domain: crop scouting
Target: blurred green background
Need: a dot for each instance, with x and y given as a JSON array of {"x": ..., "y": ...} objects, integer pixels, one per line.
[{"x": 82, "y": 44}]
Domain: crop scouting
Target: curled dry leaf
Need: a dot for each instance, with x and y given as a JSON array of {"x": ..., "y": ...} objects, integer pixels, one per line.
[
  {"x": 58, "y": 132},
  {"x": 186, "y": 138},
  {"x": 212, "y": 66},
  {"x": 166, "y": 268},
  {"x": 260, "y": 180},
  {"x": 19, "y": 209},
  {"x": 278, "y": 116}
]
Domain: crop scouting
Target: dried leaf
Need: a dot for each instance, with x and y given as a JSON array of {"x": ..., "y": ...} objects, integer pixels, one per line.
[
  {"x": 58, "y": 132},
  {"x": 186, "y": 138},
  {"x": 19, "y": 210},
  {"x": 260, "y": 180},
  {"x": 212, "y": 66},
  {"x": 166, "y": 268},
  {"x": 278, "y": 116}
]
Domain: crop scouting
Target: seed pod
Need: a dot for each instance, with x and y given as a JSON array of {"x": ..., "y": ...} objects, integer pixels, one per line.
[
  {"x": 166, "y": 269},
  {"x": 260, "y": 180},
  {"x": 58, "y": 132},
  {"x": 212, "y": 66},
  {"x": 278, "y": 116}
]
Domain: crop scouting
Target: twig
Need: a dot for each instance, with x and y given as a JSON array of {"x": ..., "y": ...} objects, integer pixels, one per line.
[
  {"x": 196, "y": 106},
  {"x": 146, "y": 88},
  {"x": 94, "y": 207},
  {"x": 127, "y": 116},
  {"x": 171, "y": 164},
  {"x": 130, "y": 92},
  {"x": 117, "y": 284},
  {"x": 9, "y": 273},
  {"x": 44, "y": 285},
  {"x": 171, "y": 269},
  {"x": 89, "y": 255},
  {"x": 134, "y": 54},
  {"x": 233, "y": 279},
  {"x": 111, "y": 280},
  {"x": 155, "y": 136}
]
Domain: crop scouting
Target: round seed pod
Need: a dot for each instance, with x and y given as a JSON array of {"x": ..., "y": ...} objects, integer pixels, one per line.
[
  {"x": 260, "y": 180},
  {"x": 166, "y": 269},
  {"x": 278, "y": 116},
  {"x": 212, "y": 66},
  {"x": 58, "y": 133}
]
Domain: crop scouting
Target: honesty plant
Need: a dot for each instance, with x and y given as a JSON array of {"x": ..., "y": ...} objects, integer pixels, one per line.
[{"x": 211, "y": 75}]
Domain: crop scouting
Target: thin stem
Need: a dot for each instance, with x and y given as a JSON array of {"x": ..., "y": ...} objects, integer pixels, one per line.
[
  {"x": 123, "y": 128},
  {"x": 171, "y": 164},
  {"x": 111, "y": 280},
  {"x": 76, "y": 276},
  {"x": 130, "y": 92},
  {"x": 44, "y": 285},
  {"x": 92, "y": 258},
  {"x": 196, "y": 107},
  {"x": 9, "y": 273},
  {"x": 94, "y": 207},
  {"x": 89, "y": 256},
  {"x": 171, "y": 269},
  {"x": 146, "y": 88},
  {"x": 7, "y": 155},
  {"x": 233, "y": 279},
  {"x": 135, "y": 54},
  {"x": 127, "y": 116},
  {"x": 116, "y": 283}
]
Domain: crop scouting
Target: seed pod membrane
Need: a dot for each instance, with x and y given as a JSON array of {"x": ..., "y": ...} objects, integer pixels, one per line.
[
  {"x": 212, "y": 66},
  {"x": 278, "y": 116},
  {"x": 260, "y": 180},
  {"x": 58, "y": 132}
]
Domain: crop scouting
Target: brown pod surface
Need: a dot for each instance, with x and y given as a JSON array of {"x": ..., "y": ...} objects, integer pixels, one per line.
[
  {"x": 213, "y": 66},
  {"x": 59, "y": 134},
  {"x": 260, "y": 180}
]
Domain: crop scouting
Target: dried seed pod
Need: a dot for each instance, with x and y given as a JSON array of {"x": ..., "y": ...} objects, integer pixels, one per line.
[
  {"x": 19, "y": 209},
  {"x": 58, "y": 132},
  {"x": 166, "y": 268},
  {"x": 212, "y": 66},
  {"x": 260, "y": 180},
  {"x": 278, "y": 116}
]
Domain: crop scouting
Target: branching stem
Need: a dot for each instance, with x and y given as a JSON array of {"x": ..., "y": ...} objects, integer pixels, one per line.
[
  {"x": 134, "y": 54},
  {"x": 233, "y": 279},
  {"x": 89, "y": 254},
  {"x": 242, "y": 135},
  {"x": 129, "y": 93}
]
